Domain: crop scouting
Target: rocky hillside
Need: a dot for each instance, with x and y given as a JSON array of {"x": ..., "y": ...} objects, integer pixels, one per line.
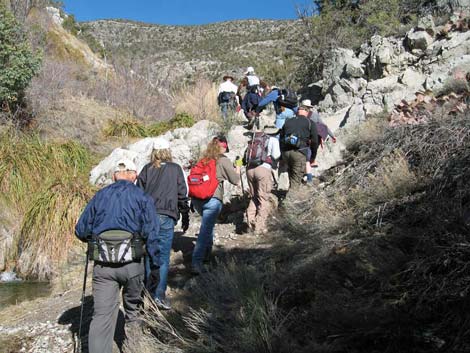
[{"x": 176, "y": 54}]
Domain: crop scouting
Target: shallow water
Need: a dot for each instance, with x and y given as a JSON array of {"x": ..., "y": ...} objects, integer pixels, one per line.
[{"x": 18, "y": 291}]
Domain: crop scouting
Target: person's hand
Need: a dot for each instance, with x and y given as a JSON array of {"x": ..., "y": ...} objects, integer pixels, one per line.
[
  {"x": 238, "y": 162},
  {"x": 238, "y": 108},
  {"x": 185, "y": 221},
  {"x": 333, "y": 139}
]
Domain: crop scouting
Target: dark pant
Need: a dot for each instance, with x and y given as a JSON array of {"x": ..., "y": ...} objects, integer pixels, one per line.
[
  {"x": 107, "y": 284},
  {"x": 295, "y": 162}
]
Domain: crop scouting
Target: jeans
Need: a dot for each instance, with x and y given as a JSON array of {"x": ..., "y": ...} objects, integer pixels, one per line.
[
  {"x": 162, "y": 258},
  {"x": 227, "y": 109},
  {"x": 209, "y": 210}
]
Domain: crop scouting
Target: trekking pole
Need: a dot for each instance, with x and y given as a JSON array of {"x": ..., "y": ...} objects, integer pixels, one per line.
[{"x": 82, "y": 304}]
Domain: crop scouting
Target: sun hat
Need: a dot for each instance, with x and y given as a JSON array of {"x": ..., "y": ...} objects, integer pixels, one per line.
[
  {"x": 249, "y": 70},
  {"x": 125, "y": 165},
  {"x": 306, "y": 103},
  {"x": 226, "y": 77},
  {"x": 160, "y": 144},
  {"x": 270, "y": 130}
]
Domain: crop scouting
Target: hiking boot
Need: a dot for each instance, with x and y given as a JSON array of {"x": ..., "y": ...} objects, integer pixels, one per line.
[
  {"x": 198, "y": 270},
  {"x": 162, "y": 304}
]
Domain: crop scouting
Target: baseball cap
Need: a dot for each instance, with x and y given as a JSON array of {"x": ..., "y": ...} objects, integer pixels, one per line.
[
  {"x": 222, "y": 141},
  {"x": 125, "y": 164}
]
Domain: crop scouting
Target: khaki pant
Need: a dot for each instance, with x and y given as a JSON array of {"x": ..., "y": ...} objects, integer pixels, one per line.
[
  {"x": 260, "y": 183},
  {"x": 295, "y": 162}
]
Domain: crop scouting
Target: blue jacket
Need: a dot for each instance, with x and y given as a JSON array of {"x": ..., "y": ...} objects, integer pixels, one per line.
[
  {"x": 281, "y": 116},
  {"x": 123, "y": 206}
]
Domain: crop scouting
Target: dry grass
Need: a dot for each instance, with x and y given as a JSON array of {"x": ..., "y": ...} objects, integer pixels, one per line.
[
  {"x": 198, "y": 100},
  {"x": 45, "y": 183}
]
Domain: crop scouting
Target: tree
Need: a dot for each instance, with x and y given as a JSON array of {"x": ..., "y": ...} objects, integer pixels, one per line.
[{"x": 18, "y": 63}]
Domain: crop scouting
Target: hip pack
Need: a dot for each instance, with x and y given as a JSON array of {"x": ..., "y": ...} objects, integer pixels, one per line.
[{"x": 115, "y": 247}]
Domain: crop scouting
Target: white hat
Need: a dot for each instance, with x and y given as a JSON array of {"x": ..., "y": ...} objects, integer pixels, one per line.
[
  {"x": 160, "y": 144},
  {"x": 249, "y": 70},
  {"x": 124, "y": 165},
  {"x": 306, "y": 103},
  {"x": 270, "y": 130}
]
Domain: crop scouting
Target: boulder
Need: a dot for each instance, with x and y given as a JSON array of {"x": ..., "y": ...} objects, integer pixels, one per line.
[
  {"x": 418, "y": 40},
  {"x": 353, "y": 68},
  {"x": 334, "y": 66},
  {"x": 426, "y": 23},
  {"x": 412, "y": 78}
]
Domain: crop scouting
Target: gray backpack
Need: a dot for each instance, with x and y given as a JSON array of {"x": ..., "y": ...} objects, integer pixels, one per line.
[{"x": 115, "y": 247}]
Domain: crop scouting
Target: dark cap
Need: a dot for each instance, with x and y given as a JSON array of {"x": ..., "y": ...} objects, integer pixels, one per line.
[{"x": 222, "y": 140}]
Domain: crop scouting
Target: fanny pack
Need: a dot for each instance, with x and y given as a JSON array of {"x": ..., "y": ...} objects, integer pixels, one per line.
[
  {"x": 115, "y": 247},
  {"x": 292, "y": 140}
]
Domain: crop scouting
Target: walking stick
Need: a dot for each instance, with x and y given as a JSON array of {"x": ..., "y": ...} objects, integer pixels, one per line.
[{"x": 82, "y": 304}]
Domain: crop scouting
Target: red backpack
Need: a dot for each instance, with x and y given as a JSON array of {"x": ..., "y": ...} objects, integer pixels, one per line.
[{"x": 202, "y": 179}]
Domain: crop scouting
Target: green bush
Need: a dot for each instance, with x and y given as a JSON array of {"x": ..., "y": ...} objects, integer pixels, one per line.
[{"x": 18, "y": 63}]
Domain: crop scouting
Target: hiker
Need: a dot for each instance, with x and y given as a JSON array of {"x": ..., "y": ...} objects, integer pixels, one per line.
[
  {"x": 298, "y": 135},
  {"x": 227, "y": 96},
  {"x": 249, "y": 104},
  {"x": 119, "y": 212},
  {"x": 284, "y": 102},
  {"x": 210, "y": 207},
  {"x": 260, "y": 156},
  {"x": 165, "y": 182},
  {"x": 251, "y": 83},
  {"x": 323, "y": 133}
]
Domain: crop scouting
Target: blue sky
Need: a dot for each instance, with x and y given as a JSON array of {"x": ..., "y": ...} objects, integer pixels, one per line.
[{"x": 183, "y": 12}]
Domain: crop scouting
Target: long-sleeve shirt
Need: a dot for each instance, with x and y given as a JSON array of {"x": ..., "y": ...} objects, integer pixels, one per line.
[
  {"x": 167, "y": 187},
  {"x": 121, "y": 206},
  {"x": 225, "y": 171},
  {"x": 305, "y": 130},
  {"x": 315, "y": 117}
]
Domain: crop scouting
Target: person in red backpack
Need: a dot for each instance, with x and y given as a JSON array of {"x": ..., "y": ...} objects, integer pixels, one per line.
[
  {"x": 258, "y": 172},
  {"x": 210, "y": 207}
]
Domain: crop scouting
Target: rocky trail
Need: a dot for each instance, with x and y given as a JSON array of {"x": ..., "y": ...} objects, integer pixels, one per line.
[{"x": 50, "y": 324}]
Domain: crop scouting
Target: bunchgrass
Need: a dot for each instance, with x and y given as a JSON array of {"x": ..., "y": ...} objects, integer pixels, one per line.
[
  {"x": 130, "y": 127},
  {"x": 46, "y": 184}
]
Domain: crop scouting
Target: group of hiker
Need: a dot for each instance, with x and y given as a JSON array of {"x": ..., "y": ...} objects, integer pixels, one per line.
[{"x": 129, "y": 225}]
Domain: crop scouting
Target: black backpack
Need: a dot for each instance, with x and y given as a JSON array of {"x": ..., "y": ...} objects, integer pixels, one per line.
[
  {"x": 226, "y": 97},
  {"x": 287, "y": 98}
]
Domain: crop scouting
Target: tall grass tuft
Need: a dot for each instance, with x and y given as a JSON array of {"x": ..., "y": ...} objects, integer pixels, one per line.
[
  {"x": 199, "y": 100},
  {"x": 130, "y": 127},
  {"x": 46, "y": 184}
]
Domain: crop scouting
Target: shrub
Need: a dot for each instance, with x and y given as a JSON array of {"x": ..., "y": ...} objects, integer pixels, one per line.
[{"x": 18, "y": 64}]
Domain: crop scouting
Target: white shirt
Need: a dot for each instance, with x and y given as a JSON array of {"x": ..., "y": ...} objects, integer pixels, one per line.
[
  {"x": 273, "y": 150},
  {"x": 227, "y": 86},
  {"x": 252, "y": 80}
]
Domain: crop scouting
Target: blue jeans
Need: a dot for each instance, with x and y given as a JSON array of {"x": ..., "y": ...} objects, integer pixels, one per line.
[
  {"x": 209, "y": 210},
  {"x": 162, "y": 258}
]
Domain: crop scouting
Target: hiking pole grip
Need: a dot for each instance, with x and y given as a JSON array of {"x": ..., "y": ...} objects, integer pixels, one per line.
[{"x": 82, "y": 304}]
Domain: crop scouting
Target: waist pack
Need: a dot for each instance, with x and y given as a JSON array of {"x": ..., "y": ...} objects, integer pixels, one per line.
[
  {"x": 292, "y": 140},
  {"x": 115, "y": 247},
  {"x": 202, "y": 179},
  {"x": 257, "y": 150},
  {"x": 226, "y": 97}
]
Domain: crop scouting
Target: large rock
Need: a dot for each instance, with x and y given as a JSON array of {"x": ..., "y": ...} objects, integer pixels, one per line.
[
  {"x": 412, "y": 78},
  {"x": 186, "y": 145},
  {"x": 418, "y": 41}
]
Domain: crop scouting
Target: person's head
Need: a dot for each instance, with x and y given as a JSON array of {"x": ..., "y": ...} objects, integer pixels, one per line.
[
  {"x": 307, "y": 103},
  {"x": 250, "y": 70},
  {"x": 125, "y": 170},
  {"x": 303, "y": 111},
  {"x": 161, "y": 152},
  {"x": 216, "y": 147},
  {"x": 228, "y": 78}
]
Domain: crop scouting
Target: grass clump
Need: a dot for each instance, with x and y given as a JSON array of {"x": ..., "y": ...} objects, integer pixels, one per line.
[
  {"x": 46, "y": 184},
  {"x": 130, "y": 127}
]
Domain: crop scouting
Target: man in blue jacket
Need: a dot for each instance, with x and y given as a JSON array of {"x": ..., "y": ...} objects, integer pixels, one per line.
[
  {"x": 119, "y": 211},
  {"x": 282, "y": 113}
]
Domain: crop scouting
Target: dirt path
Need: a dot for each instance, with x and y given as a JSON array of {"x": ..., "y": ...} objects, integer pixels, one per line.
[{"x": 50, "y": 324}]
